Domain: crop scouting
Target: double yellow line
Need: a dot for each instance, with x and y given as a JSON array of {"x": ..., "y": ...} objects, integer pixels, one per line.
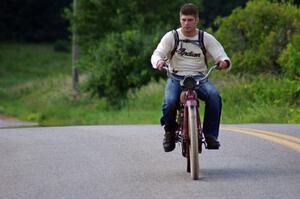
[{"x": 283, "y": 139}]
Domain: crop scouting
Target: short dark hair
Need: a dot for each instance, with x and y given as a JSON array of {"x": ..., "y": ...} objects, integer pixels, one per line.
[{"x": 189, "y": 9}]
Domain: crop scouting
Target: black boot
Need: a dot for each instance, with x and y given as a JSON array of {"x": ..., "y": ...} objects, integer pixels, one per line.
[
  {"x": 212, "y": 142},
  {"x": 169, "y": 140}
]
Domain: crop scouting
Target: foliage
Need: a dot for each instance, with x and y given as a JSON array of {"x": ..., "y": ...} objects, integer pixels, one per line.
[
  {"x": 260, "y": 99},
  {"x": 42, "y": 94},
  {"x": 290, "y": 58},
  {"x": 256, "y": 36},
  {"x": 96, "y": 18},
  {"x": 119, "y": 63}
]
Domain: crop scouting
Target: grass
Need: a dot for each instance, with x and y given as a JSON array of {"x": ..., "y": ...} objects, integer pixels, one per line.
[
  {"x": 263, "y": 99},
  {"x": 35, "y": 85}
]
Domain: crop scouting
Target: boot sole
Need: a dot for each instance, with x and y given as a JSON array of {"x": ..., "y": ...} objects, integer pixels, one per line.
[{"x": 169, "y": 149}]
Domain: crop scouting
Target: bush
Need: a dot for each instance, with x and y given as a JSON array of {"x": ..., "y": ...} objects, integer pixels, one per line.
[
  {"x": 119, "y": 63},
  {"x": 262, "y": 99},
  {"x": 290, "y": 59},
  {"x": 255, "y": 36}
]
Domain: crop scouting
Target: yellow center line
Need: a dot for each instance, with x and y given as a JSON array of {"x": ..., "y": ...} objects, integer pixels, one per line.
[
  {"x": 272, "y": 136},
  {"x": 275, "y": 134}
]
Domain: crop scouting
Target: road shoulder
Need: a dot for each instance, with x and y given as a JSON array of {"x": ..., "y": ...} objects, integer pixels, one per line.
[{"x": 11, "y": 122}]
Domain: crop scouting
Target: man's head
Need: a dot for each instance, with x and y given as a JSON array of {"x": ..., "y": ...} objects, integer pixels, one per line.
[
  {"x": 189, "y": 9},
  {"x": 189, "y": 18}
]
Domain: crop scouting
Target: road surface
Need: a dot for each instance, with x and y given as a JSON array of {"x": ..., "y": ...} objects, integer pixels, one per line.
[{"x": 128, "y": 162}]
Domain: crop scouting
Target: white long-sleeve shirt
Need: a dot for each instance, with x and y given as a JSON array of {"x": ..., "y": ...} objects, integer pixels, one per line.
[{"x": 188, "y": 58}]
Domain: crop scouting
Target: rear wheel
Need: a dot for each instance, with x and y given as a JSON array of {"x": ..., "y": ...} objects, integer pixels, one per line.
[{"x": 193, "y": 146}]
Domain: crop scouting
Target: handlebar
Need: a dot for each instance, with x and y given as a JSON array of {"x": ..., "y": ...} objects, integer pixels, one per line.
[{"x": 216, "y": 66}]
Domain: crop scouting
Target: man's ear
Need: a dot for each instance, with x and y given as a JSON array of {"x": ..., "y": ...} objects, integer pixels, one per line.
[{"x": 197, "y": 20}]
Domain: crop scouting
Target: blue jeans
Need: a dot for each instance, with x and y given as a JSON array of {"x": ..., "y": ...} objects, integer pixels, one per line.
[{"x": 205, "y": 91}]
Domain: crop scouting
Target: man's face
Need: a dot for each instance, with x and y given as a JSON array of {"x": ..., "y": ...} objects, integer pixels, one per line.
[{"x": 188, "y": 23}]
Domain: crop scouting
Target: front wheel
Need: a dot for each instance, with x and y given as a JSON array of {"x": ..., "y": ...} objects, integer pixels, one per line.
[{"x": 194, "y": 139}]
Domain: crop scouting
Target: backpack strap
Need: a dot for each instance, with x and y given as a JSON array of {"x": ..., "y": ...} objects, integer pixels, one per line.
[
  {"x": 201, "y": 44},
  {"x": 176, "y": 43}
]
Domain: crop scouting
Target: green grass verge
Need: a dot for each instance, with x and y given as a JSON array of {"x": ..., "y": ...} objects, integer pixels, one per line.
[{"x": 35, "y": 85}]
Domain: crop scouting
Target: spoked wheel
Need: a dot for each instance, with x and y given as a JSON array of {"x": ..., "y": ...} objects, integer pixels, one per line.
[
  {"x": 193, "y": 149},
  {"x": 200, "y": 142},
  {"x": 188, "y": 162}
]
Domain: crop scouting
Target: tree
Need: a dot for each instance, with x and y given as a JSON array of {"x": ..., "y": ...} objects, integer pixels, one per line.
[
  {"x": 98, "y": 18},
  {"x": 256, "y": 36}
]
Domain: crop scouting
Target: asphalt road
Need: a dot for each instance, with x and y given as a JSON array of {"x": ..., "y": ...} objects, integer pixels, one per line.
[{"x": 128, "y": 162}]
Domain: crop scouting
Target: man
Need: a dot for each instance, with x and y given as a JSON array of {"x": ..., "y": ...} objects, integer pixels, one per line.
[{"x": 189, "y": 59}]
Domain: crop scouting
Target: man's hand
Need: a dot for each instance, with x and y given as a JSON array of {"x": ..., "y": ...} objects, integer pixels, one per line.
[
  {"x": 223, "y": 64},
  {"x": 160, "y": 64}
]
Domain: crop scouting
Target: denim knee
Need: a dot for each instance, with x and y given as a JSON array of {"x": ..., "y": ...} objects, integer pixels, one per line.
[
  {"x": 215, "y": 96},
  {"x": 170, "y": 103}
]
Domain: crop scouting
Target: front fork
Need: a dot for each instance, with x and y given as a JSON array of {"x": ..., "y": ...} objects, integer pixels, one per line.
[{"x": 182, "y": 134}]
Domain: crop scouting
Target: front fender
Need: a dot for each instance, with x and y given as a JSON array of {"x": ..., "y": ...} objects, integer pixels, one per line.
[{"x": 191, "y": 103}]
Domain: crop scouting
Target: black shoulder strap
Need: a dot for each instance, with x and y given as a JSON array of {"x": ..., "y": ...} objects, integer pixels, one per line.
[
  {"x": 201, "y": 44},
  {"x": 200, "y": 40},
  {"x": 176, "y": 39}
]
